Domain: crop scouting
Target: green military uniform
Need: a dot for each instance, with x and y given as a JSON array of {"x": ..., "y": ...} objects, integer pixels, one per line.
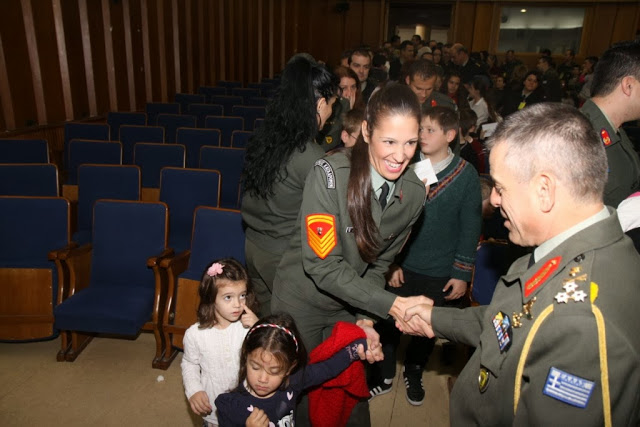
[
  {"x": 438, "y": 99},
  {"x": 624, "y": 165},
  {"x": 270, "y": 222},
  {"x": 330, "y": 135},
  {"x": 548, "y": 371},
  {"x": 319, "y": 287}
]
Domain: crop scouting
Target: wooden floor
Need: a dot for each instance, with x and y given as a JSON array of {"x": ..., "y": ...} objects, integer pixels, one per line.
[{"x": 112, "y": 384}]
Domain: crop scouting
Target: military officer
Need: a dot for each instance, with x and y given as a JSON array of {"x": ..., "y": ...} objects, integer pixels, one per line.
[
  {"x": 615, "y": 100},
  {"x": 558, "y": 344}
]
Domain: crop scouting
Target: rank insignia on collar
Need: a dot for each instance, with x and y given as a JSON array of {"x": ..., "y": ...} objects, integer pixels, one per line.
[
  {"x": 541, "y": 275},
  {"x": 434, "y": 103},
  {"x": 328, "y": 139},
  {"x": 321, "y": 234},
  {"x": 605, "y": 137}
]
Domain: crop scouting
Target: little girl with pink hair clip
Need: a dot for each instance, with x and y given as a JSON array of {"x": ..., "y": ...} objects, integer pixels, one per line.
[{"x": 212, "y": 346}]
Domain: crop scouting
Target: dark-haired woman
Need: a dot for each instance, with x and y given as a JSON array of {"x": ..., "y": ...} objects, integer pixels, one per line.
[
  {"x": 528, "y": 93},
  {"x": 278, "y": 159},
  {"x": 357, "y": 211}
]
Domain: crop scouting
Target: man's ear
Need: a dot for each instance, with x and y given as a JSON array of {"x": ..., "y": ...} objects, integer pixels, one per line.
[
  {"x": 407, "y": 80},
  {"x": 365, "y": 131},
  {"x": 450, "y": 135},
  {"x": 545, "y": 188},
  {"x": 629, "y": 84}
]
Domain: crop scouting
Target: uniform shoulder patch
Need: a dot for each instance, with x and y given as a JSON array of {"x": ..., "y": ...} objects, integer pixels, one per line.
[
  {"x": 321, "y": 233},
  {"x": 606, "y": 140},
  {"x": 328, "y": 170},
  {"x": 568, "y": 388}
]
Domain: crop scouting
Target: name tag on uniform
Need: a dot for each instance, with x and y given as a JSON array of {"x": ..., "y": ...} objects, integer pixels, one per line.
[{"x": 568, "y": 388}]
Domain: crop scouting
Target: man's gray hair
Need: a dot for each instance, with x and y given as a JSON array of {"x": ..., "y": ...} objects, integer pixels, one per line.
[{"x": 555, "y": 138}]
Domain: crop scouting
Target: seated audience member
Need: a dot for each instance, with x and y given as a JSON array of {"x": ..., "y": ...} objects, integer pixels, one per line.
[
  {"x": 529, "y": 93},
  {"x": 360, "y": 63},
  {"x": 615, "y": 99},
  {"x": 551, "y": 84},
  {"x": 468, "y": 151},
  {"x": 453, "y": 88},
  {"x": 510, "y": 63},
  {"x": 452, "y": 217},
  {"x": 566, "y": 317},
  {"x": 565, "y": 69},
  {"x": 468, "y": 67},
  {"x": 351, "y": 126},
  {"x": 478, "y": 102},
  {"x": 495, "y": 96},
  {"x": 421, "y": 79},
  {"x": 493, "y": 66}
]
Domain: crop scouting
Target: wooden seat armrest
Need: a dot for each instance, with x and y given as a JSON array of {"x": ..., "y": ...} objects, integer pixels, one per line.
[
  {"x": 177, "y": 264},
  {"x": 74, "y": 251},
  {"x": 56, "y": 253},
  {"x": 155, "y": 260}
]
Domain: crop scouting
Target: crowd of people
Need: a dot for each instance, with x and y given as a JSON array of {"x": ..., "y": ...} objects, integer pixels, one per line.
[{"x": 366, "y": 191}]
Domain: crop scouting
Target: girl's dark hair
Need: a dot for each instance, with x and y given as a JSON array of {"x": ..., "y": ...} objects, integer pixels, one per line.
[
  {"x": 290, "y": 123},
  {"x": 481, "y": 86},
  {"x": 233, "y": 271},
  {"x": 277, "y": 342},
  {"x": 393, "y": 99}
]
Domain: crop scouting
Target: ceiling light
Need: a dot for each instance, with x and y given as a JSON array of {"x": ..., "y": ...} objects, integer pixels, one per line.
[{"x": 523, "y": 10}]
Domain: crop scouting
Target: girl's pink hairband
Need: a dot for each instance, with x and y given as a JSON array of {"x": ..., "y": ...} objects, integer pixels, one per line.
[{"x": 215, "y": 269}]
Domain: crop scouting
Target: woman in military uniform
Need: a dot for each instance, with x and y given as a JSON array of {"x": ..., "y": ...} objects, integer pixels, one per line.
[{"x": 278, "y": 159}]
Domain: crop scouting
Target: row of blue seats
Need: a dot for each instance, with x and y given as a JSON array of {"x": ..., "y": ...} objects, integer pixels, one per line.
[
  {"x": 181, "y": 189},
  {"x": 126, "y": 280}
]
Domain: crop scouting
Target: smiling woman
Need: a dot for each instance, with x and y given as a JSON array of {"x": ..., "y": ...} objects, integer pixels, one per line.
[{"x": 350, "y": 228}]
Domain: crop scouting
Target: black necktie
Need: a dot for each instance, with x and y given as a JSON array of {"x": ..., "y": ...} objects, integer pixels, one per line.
[{"x": 383, "y": 195}]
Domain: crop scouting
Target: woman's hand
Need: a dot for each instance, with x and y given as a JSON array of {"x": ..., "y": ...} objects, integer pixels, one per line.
[
  {"x": 248, "y": 317},
  {"x": 200, "y": 403},
  {"x": 395, "y": 276},
  {"x": 419, "y": 316},
  {"x": 399, "y": 308},
  {"x": 258, "y": 418}
]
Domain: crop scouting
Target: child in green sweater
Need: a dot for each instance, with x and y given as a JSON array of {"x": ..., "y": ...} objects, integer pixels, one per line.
[{"x": 438, "y": 259}]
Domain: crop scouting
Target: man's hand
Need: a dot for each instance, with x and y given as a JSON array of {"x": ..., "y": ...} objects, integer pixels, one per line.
[
  {"x": 458, "y": 288},
  {"x": 399, "y": 308},
  {"x": 200, "y": 403},
  {"x": 419, "y": 319}
]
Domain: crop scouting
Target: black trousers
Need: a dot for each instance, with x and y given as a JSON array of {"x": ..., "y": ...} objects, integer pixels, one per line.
[{"x": 419, "y": 348}]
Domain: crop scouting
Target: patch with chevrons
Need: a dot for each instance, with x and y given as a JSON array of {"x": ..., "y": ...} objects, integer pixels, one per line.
[{"x": 321, "y": 234}]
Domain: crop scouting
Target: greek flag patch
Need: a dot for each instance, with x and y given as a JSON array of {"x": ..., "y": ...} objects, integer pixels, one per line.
[
  {"x": 328, "y": 170},
  {"x": 568, "y": 388}
]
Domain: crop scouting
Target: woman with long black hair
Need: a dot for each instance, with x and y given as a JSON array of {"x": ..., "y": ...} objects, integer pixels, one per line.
[{"x": 278, "y": 158}]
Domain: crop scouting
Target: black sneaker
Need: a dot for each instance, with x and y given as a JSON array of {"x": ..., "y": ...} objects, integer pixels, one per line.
[
  {"x": 413, "y": 381},
  {"x": 380, "y": 388}
]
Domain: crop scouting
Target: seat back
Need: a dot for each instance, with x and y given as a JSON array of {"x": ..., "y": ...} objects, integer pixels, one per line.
[
  {"x": 184, "y": 99},
  {"x": 152, "y": 157},
  {"x": 227, "y": 102},
  {"x": 93, "y": 131},
  {"x": 171, "y": 123},
  {"x": 183, "y": 190},
  {"x": 24, "y": 151},
  {"x": 125, "y": 234},
  {"x": 29, "y": 179},
  {"x": 115, "y": 119},
  {"x": 250, "y": 114},
  {"x": 492, "y": 261},
  {"x": 209, "y": 91},
  {"x": 240, "y": 138},
  {"x": 263, "y": 87},
  {"x": 229, "y": 85},
  {"x": 130, "y": 135},
  {"x": 257, "y": 102},
  {"x": 201, "y": 111},
  {"x": 217, "y": 233},
  {"x": 154, "y": 108},
  {"x": 226, "y": 126},
  {"x": 82, "y": 151},
  {"x": 245, "y": 93},
  {"x": 194, "y": 139},
  {"x": 30, "y": 227},
  {"x": 229, "y": 161},
  {"x": 103, "y": 182}
]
